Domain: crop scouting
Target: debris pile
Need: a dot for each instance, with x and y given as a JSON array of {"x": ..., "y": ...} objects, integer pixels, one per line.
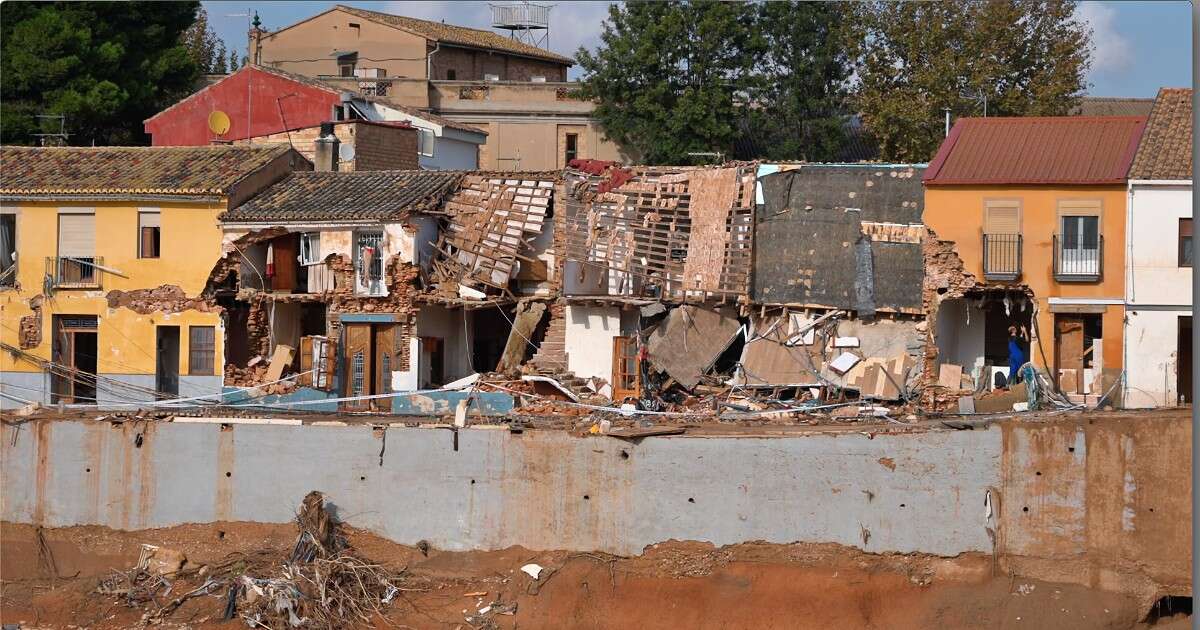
[{"x": 321, "y": 584}]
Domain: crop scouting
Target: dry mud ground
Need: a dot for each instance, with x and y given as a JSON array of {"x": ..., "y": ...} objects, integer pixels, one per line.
[{"x": 672, "y": 585}]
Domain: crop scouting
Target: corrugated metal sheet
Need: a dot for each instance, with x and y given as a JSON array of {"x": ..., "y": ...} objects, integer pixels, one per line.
[{"x": 1058, "y": 150}]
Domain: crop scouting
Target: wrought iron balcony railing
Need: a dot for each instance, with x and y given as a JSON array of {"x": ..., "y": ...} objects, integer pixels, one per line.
[
  {"x": 74, "y": 272},
  {"x": 1002, "y": 256},
  {"x": 1076, "y": 260}
]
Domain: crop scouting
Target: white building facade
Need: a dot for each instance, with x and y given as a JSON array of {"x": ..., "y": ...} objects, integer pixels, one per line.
[{"x": 1159, "y": 258}]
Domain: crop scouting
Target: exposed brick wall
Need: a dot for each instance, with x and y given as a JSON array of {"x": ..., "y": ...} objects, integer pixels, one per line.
[
  {"x": 30, "y": 333},
  {"x": 471, "y": 65},
  {"x": 385, "y": 148}
]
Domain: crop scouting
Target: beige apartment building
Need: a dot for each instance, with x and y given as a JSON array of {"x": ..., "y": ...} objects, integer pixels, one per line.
[{"x": 515, "y": 91}]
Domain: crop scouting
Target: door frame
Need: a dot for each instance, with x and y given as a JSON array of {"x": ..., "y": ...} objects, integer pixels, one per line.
[{"x": 166, "y": 369}]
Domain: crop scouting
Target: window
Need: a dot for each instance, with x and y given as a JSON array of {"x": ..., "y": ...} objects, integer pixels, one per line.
[
  {"x": 451, "y": 75},
  {"x": 368, "y": 263},
  {"x": 8, "y": 248},
  {"x": 310, "y": 248},
  {"x": 76, "y": 262},
  {"x": 346, "y": 69},
  {"x": 202, "y": 354},
  {"x": 149, "y": 234},
  {"x": 1001, "y": 239},
  {"x": 1185, "y": 243},
  {"x": 425, "y": 141},
  {"x": 572, "y": 149},
  {"x": 1079, "y": 245}
]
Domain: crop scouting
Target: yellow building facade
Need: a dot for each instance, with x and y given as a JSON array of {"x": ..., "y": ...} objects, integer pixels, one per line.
[{"x": 108, "y": 251}]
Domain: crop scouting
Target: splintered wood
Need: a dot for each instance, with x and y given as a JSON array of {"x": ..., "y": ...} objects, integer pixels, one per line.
[
  {"x": 492, "y": 222},
  {"x": 667, "y": 232}
]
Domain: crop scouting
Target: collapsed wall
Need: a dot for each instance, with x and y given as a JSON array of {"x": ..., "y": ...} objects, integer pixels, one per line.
[{"x": 1096, "y": 501}]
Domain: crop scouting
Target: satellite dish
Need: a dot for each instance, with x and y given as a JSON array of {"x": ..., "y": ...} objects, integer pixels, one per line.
[
  {"x": 218, "y": 122},
  {"x": 346, "y": 152}
]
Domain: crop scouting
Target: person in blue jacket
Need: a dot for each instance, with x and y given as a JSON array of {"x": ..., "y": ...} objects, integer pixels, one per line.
[{"x": 1016, "y": 354}]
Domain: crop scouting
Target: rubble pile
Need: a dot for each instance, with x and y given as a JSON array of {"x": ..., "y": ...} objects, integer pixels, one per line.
[{"x": 322, "y": 583}]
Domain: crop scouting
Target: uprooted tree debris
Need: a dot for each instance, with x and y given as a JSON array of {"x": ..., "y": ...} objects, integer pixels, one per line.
[{"x": 322, "y": 583}]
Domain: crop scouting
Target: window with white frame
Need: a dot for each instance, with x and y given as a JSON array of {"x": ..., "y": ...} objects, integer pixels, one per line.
[
  {"x": 310, "y": 248},
  {"x": 425, "y": 141}
]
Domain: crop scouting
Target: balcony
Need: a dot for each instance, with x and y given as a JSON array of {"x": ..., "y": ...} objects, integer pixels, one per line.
[
  {"x": 1077, "y": 260},
  {"x": 1002, "y": 256},
  {"x": 74, "y": 272},
  {"x": 8, "y": 277}
]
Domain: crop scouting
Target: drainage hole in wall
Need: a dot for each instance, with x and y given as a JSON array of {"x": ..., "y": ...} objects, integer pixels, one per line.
[
  {"x": 472, "y": 482},
  {"x": 90, "y": 470},
  {"x": 1039, "y": 473},
  {"x": 586, "y": 497},
  {"x": 228, "y": 474},
  {"x": 137, "y": 441},
  {"x": 1168, "y": 606},
  {"x": 363, "y": 478},
  {"x": 691, "y": 500},
  {"x": 1071, "y": 449},
  {"x": 902, "y": 505},
  {"x": 624, "y": 454},
  {"x": 1151, "y": 509},
  {"x": 1025, "y": 509},
  {"x": 220, "y": 534}
]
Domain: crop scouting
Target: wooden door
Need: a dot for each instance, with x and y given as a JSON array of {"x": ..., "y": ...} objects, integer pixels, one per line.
[
  {"x": 284, "y": 251},
  {"x": 1183, "y": 361},
  {"x": 626, "y": 377},
  {"x": 386, "y": 360},
  {"x": 359, "y": 364},
  {"x": 1068, "y": 352},
  {"x": 166, "y": 364}
]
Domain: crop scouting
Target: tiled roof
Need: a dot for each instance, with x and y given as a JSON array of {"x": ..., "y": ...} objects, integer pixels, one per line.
[
  {"x": 460, "y": 35},
  {"x": 1112, "y": 106},
  {"x": 1166, "y": 148},
  {"x": 62, "y": 171},
  {"x": 347, "y": 196},
  {"x": 1032, "y": 150}
]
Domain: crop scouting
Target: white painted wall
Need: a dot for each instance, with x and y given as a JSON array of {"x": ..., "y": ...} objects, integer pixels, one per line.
[
  {"x": 1151, "y": 337},
  {"x": 1155, "y": 282},
  {"x": 1153, "y": 273},
  {"x": 960, "y": 335},
  {"x": 590, "y": 331},
  {"x": 446, "y": 324},
  {"x": 454, "y": 149}
]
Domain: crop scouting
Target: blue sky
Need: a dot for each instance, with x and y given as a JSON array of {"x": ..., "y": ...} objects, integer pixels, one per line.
[{"x": 1139, "y": 46}]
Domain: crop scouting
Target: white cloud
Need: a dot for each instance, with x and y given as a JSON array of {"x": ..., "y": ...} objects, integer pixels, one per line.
[{"x": 1113, "y": 50}]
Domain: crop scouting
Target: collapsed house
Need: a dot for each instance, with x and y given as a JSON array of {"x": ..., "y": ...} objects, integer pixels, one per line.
[
  {"x": 795, "y": 280},
  {"x": 370, "y": 283}
]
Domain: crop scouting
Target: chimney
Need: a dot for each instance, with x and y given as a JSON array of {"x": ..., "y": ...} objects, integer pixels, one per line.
[{"x": 325, "y": 149}]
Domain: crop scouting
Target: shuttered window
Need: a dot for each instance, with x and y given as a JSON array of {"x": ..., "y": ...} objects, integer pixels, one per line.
[
  {"x": 1185, "y": 242},
  {"x": 202, "y": 350},
  {"x": 149, "y": 234},
  {"x": 77, "y": 234},
  {"x": 1002, "y": 216}
]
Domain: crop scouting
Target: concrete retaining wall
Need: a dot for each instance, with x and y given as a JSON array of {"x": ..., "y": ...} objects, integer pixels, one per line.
[{"x": 1090, "y": 511}]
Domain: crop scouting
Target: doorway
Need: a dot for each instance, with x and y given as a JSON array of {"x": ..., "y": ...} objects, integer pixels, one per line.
[
  {"x": 74, "y": 350},
  {"x": 166, "y": 361},
  {"x": 372, "y": 353},
  {"x": 1076, "y": 337},
  {"x": 1183, "y": 362},
  {"x": 626, "y": 372}
]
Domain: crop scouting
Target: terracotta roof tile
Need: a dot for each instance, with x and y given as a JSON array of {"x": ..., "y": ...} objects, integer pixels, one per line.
[
  {"x": 460, "y": 35},
  {"x": 1054, "y": 150},
  {"x": 1112, "y": 106},
  {"x": 347, "y": 196},
  {"x": 60, "y": 171},
  {"x": 1166, "y": 148}
]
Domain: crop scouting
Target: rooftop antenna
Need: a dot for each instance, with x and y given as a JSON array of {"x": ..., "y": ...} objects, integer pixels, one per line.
[
  {"x": 53, "y": 139},
  {"x": 525, "y": 22}
]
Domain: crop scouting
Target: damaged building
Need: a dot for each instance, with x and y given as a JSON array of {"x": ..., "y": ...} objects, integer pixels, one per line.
[
  {"x": 369, "y": 283},
  {"x": 107, "y": 252},
  {"x": 1025, "y": 259},
  {"x": 837, "y": 280}
]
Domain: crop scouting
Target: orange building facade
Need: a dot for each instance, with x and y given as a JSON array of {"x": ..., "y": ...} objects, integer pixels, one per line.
[{"x": 1034, "y": 211}]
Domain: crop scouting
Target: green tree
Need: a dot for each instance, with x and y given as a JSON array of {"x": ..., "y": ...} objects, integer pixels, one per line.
[
  {"x": 916, "y": 59},
  {"x": 667, "y": 74},
  {"x": 233, "y": 61},
  {"x": 106, "y": 66},
  {"x": 798, "y": 107}
]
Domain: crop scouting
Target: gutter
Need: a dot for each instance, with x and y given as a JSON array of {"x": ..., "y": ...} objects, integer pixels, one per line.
[
  {"x": 133, "y": 197},
  {"x": 429, "y": 60}
]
